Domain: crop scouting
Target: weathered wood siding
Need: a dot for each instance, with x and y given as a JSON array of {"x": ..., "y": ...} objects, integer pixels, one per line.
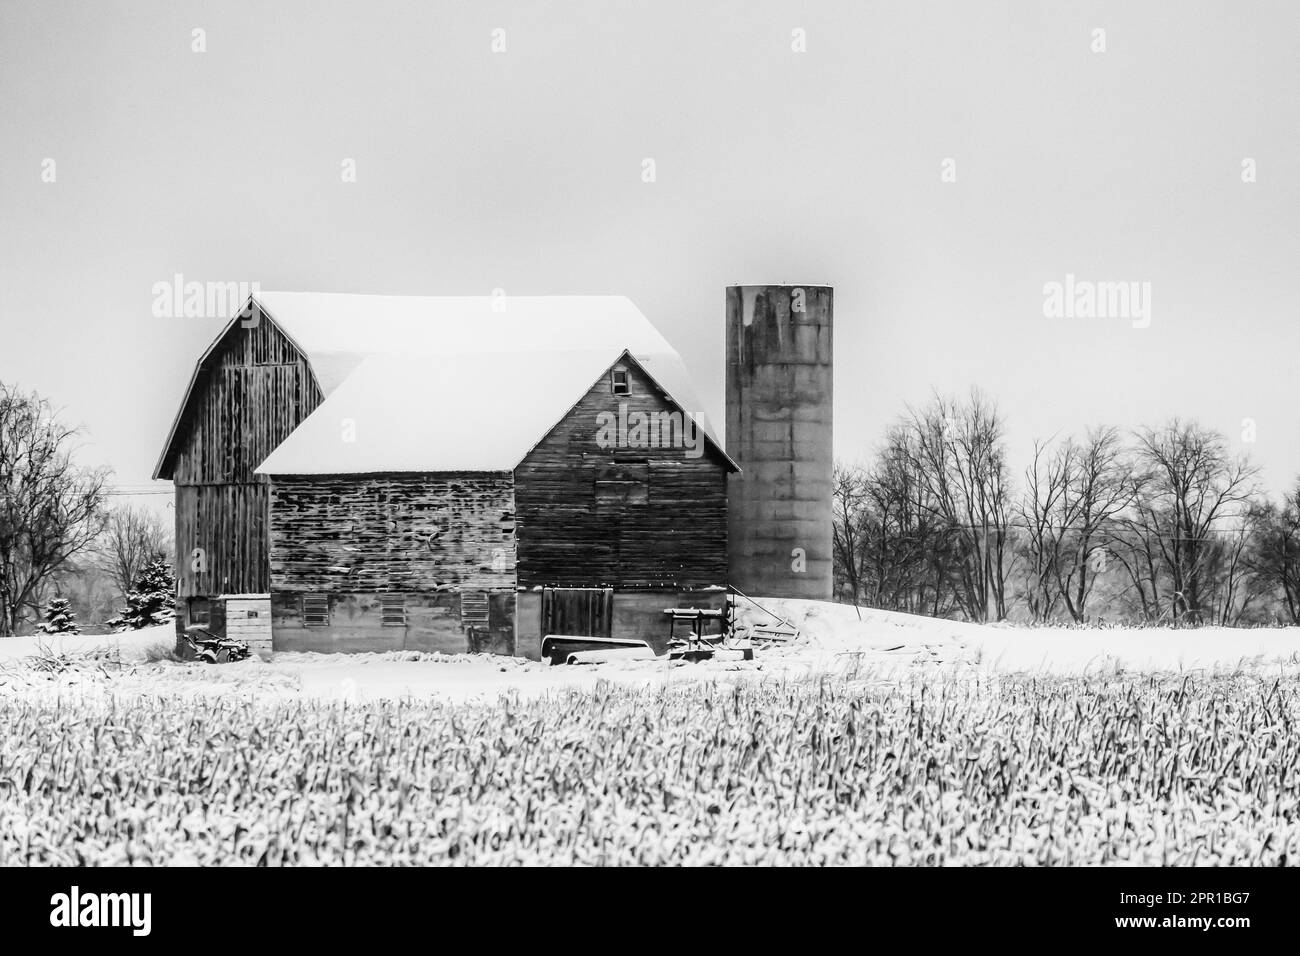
[
  {"x": 254, "y": 389},
  {"x": 360, "y": 534},
  {"x": 670, "y": 529},
  {"x": 433, "y": 624},
  {"x": 228, "y": 522}
]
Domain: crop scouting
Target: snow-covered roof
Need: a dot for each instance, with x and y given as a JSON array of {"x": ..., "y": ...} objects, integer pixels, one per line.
[
  {"x": 476, "y": 411},
  {"x": 336, "y": 332},
  {"x": 390, "y": 360}
]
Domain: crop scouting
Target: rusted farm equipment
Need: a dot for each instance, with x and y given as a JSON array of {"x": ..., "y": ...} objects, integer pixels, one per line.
[
  {"x": 694, "y": 634},
  {"x": 208, "y": 647},
  {"x": 697, "y": 644}
]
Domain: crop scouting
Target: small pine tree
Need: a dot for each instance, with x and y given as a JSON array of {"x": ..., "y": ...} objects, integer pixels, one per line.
[
  {"x": 59, "y": 618},
  {"x": 151, "y": 601}
]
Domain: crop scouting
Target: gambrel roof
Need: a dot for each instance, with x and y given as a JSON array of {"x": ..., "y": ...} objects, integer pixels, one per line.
[{"x": 447, "y": 383}]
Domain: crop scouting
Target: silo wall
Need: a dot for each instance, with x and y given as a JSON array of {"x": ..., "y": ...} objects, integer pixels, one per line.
[{"x": 779, "y": 391}]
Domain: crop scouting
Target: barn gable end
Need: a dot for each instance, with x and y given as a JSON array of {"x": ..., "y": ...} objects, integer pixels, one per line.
[
  {"x": 249, "y": 391},
  {"x": 632, "y": 513}
]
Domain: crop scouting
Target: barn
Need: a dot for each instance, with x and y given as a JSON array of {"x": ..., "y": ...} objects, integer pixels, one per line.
[{"x": 364, "y": 473}]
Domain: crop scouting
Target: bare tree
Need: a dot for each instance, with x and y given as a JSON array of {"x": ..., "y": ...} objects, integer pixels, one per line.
[
  {"x": 1192, "y": 490},
  {"x": 1237, "y": 588},
  {"x": 132, "y": 538},
  {"x": 957, "y": 451},
  {"x": 1100, "y": 488},
  {"x": 1277, "y": 556},
  {"x": 1170, "y": 528},
  {"x": 910, "y": 558},
  {"x": 50, "y": 509},
  {"x": 1137, "y": 547},
  {"x": 1042, "y": 515}
]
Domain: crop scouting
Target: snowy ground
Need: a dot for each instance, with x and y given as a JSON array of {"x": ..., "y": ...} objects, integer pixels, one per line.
[
  {"x": 129, "y": 646},
  {"x": 834, "y": 639},
  {"x": 840, "y": 629}
]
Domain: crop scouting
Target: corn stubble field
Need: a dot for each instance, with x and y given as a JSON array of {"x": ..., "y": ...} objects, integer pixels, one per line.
[{"x": 938, "y": 770}]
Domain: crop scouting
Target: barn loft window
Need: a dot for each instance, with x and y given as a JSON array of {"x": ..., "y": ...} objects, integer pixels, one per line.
[
  {"x": 315, "y": 610},
  {"x": 614, "y": 495},
  {"x": 200, "y": 611},
  {"x": 392, "y": 610},
  {"x": 619, "y": 383}
]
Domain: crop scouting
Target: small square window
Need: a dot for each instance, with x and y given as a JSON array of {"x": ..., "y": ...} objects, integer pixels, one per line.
[
  {"x": 200, "y": 612},
  {"x": 619, "y": 383}
]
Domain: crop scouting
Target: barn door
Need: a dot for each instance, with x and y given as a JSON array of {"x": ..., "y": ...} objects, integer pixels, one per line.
[{"x": 584, "y": 612}]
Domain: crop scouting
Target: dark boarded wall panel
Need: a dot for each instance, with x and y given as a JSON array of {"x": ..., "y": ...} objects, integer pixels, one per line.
[
  {"x": 402, "y": 533},
  {"x": 675, "y": 535},
  {"x": 228, "y": 522}
]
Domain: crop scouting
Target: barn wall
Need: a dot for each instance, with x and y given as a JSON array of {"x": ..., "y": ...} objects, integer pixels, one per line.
[
  {"x": 673, "y": 536},
  {"x": 405, "y": 533},
  {"x": 253, "y": 391},
  {"x": 427, "y": 537},
  {"x": 433, "y": 624},
  {"x": 240, "y": 416},
  {"x": 228, "y": 522}
]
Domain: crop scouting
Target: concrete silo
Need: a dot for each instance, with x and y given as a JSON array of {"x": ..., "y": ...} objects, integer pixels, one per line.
[{"x": 779, "y": 432}]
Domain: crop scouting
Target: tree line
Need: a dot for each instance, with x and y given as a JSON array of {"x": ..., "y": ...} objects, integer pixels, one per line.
[
  {"x": 66, "y": 552},
  {"x": 1163, "y": 525}
]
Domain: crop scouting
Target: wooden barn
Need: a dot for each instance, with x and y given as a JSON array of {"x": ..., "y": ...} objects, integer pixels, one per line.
[{"x": 358, "y": 473}]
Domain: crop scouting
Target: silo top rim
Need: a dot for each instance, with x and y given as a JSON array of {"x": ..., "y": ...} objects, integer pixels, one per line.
[{"x": 782, "y": 285}]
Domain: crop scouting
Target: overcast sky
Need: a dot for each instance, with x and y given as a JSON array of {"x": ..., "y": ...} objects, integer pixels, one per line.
[{"x": 523, "y": 170}]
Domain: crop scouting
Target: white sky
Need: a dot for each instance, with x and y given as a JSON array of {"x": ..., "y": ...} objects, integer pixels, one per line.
[{"x": 522, "y": 170}]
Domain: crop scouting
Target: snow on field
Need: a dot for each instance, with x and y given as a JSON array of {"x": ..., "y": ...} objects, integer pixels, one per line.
[
  {"x": 129, "y": 646},
  {"x": 833, "y": 639},
  {"x": 837, "y": 630}
]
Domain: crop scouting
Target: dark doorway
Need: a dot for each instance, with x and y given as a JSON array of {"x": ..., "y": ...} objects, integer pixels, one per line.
[{"x": 586, "y": 612}]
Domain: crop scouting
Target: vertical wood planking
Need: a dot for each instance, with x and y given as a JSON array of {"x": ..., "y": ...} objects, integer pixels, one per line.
[{"x": 256, "y": 389}]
